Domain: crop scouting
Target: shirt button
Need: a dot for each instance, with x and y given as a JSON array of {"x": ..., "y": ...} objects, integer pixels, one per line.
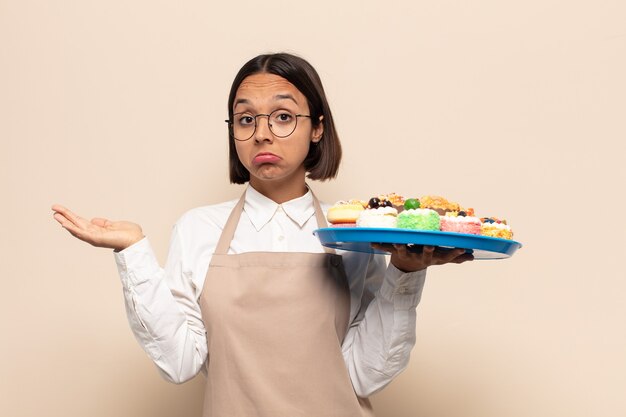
[
  {"x": 402, "y": 290},
  {"x": 281, "y": 238}
]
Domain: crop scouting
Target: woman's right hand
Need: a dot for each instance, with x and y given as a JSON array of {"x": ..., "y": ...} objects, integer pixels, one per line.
[{"x": 99, "y": 232}]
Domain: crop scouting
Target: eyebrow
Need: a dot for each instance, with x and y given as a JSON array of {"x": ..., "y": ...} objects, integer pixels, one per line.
[
  {"x": 285, "y": 97},
  {"x": 241, "y": 101},
  {"x": 276, "y": 97}
]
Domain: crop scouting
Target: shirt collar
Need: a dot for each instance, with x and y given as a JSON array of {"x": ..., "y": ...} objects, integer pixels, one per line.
[{"x": 261, "y": 209}]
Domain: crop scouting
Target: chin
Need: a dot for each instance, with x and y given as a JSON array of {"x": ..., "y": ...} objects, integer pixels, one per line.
[
  {"x": 270, "y": 171},
  {"x": 274, "y": 173}
]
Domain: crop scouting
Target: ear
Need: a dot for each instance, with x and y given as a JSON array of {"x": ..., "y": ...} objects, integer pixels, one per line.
[{"x": 318, "y": 131}]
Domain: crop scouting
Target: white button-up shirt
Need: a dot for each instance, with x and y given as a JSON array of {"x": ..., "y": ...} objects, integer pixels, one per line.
[{"x": 164, "y": 313}]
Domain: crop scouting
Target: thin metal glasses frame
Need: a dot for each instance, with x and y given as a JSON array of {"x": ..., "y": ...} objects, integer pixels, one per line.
[{"x": 231, "y": 123}]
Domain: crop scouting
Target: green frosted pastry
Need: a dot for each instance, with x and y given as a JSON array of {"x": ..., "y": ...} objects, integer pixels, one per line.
[{"x": 419, "y": 219}]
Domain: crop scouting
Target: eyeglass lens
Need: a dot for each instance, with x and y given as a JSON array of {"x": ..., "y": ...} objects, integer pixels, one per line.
[{"x": 282, "y": 123}]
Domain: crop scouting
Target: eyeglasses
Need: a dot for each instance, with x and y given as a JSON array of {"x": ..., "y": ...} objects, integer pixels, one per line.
[{"x": 282, "y": 123}]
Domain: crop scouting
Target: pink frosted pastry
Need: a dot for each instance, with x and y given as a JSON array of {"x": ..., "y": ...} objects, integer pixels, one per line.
[{"x": 461, "y": 224}]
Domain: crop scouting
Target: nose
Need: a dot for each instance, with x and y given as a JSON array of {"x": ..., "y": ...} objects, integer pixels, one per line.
[{"x": 263, "y": 131}]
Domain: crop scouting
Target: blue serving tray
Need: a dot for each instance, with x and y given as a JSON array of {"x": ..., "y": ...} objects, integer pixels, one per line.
[{"x": 359, "y": 239}]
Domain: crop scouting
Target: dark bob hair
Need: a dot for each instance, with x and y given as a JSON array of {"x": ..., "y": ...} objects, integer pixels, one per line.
[{"x": 322, "y": 161}]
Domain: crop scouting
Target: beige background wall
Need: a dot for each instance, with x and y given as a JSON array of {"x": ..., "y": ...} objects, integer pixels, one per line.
[{"x": 116, "y": 109}]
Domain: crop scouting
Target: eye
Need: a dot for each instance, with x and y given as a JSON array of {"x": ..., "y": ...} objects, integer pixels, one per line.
[
  {"x": 245, "y": 120},
  {"x": 283, "y": 116}
]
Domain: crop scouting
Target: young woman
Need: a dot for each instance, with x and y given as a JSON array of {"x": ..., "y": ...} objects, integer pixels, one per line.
[{"x": 281, "y": 325}]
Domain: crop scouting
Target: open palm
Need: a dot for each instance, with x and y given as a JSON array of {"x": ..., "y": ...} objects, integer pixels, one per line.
[{"x": 98, "y": 232}]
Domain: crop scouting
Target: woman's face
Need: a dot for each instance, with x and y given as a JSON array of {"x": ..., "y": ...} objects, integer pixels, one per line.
[{"x": 266, "y": 156}]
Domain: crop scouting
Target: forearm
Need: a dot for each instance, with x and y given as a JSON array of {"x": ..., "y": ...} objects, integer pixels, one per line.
[
  {"x": 166, "y": 329},
  {"x": 378, "y": 347}
]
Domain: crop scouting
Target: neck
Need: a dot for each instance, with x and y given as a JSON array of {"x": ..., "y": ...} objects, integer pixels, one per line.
[{"x": 281, "y": 190}]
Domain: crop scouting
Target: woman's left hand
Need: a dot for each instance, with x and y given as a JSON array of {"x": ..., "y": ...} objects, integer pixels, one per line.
[{"x": 409, "y": 261}]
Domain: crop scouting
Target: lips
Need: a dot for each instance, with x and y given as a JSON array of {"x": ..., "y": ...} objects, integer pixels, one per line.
[{"x": 265, "y": 158}]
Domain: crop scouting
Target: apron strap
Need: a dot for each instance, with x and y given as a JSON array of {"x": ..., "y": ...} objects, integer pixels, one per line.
[
  {"x": 233, "y": 220},
  {"x": 321, "y": 220},
  {"x": 229, "y": 228}
]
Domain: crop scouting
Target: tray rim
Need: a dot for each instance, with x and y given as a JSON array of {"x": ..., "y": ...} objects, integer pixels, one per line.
[{"x": 497, "y": 248}]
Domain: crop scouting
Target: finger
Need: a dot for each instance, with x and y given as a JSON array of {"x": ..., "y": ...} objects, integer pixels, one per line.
[
  {"x": 383, "y": 247},
  {"x": 77, "y": 220},
  {"x": 466, "y": 257},
  {"x": 57, "y": 207},
  {"x": 62, "y": 219},
  {"x": 401, "y": 250},
  {"x": 427, "y": 255},
  {"x": 58, "y": 217},
  {"x": 68, "y": 225},
  {"x": 448, "y": 256},
  {"x": 414, "y": 248}
]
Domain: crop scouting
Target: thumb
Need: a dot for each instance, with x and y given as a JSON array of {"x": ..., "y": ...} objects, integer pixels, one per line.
[{"x": 100, "y": 222}]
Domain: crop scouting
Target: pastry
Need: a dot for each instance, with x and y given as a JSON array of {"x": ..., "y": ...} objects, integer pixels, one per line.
[
  {"x": 345, "y": 213},
  {"x": 460, "y": 223},
  {"x": 426, "y": 213},
  {"x": 378, "y": 213},
  {"x": 439, "y": 204},
  {"x": 495, "y": 228},
  {"x": 416, "y": 218},
  {"x": 397, "y": 201},
  {"x": 419, "y": 219}
]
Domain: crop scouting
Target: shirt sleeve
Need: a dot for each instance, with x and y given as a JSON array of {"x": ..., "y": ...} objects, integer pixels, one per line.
[
  {"x": 162, "y": 308},
  {"x": 380, "y": 339}
]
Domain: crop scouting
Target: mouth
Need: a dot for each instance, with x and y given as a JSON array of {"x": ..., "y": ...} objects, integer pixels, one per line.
[{"x": 265, "y": 158}]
